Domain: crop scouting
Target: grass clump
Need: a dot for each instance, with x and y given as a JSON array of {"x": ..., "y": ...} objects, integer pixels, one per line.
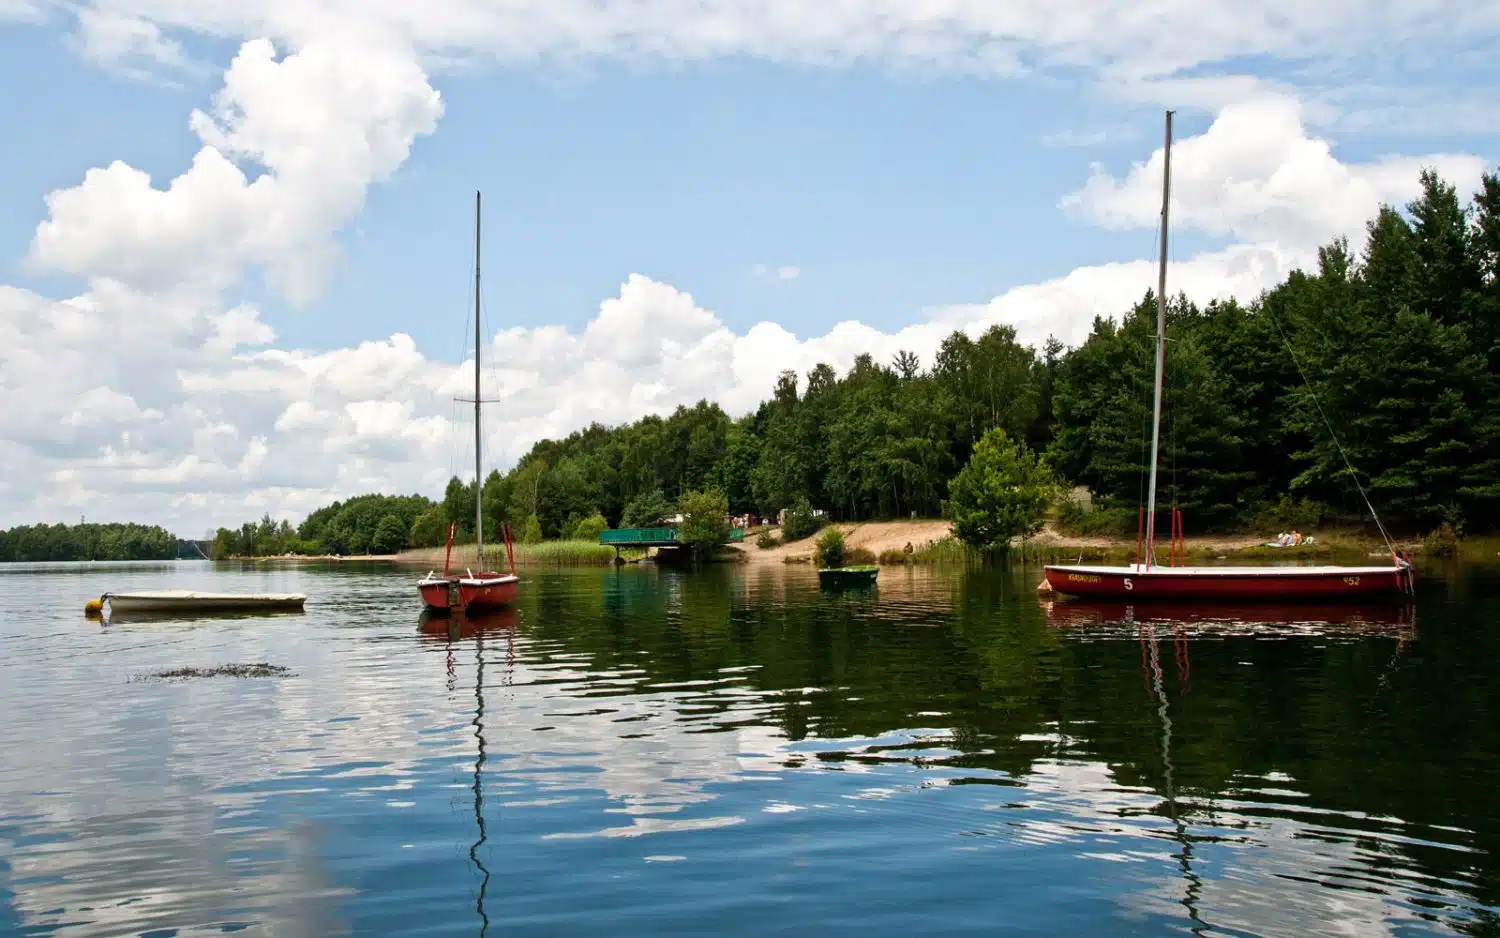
[
  {"x": 1444, "y": 541},
  {"x": 565, "y": 553},
  {"x": 767, "y": 541},
  {"x": 829, "y": 550},
  {"x": 944, "y": 550}
]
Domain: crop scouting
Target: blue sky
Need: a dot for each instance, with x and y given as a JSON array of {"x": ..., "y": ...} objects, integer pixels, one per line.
[
  {"x": 911, "y": 172},
  {"x": 889, "y": 192}
]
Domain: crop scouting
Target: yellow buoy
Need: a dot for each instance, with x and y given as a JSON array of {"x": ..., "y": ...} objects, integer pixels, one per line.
[{"x": 94, "y": 607}]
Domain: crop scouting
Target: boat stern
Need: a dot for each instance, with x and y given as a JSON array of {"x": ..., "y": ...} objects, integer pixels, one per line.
[{"x": 438, "y": 595}]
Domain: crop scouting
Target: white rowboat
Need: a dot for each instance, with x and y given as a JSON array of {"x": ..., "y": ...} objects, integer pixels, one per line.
[{"x": 193, "y": 601}]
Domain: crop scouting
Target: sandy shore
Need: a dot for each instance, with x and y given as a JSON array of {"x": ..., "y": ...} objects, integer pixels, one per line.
[
  {"x": 878, "y": 536},
  {"x": 874, "y": 536}
]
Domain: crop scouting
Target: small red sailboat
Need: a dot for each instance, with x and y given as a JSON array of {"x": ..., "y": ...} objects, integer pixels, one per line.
[
  {"x": 1146, "y": 580},
  {"x": 472, "y": 592},
  {"x": 484, "y": 590}
]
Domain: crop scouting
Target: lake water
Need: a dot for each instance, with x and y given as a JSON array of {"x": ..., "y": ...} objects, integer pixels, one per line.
[{"x": 637, "y": 752}]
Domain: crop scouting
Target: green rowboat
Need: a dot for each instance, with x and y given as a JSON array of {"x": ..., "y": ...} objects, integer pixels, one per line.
[{"x": 861, "y": 575}]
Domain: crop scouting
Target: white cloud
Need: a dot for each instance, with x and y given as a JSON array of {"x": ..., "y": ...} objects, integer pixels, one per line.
[
  {"x": 288, "y": 429},
  {"x": 152, "y": 395},
  {"x": 112, "y": 38},
  {"x": 1257, "y": 175},
  {"x": 101, "y": 406},
  {"x": 324, "y": 122},
  {"x": 1125, "y": 41}
]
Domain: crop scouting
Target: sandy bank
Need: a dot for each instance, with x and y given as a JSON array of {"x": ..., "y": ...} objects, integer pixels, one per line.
[
  {"x": 879, "y": 536},
  {"x": 874, "y": 536}
]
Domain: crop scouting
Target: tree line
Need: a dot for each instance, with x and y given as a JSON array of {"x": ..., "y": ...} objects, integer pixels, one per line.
[
  {"x": 1390, "y": 357},
  {"x": 57, "y": 542},
  {"x": 1386, "y": 361},
  {"x": 365, "y": 524}
]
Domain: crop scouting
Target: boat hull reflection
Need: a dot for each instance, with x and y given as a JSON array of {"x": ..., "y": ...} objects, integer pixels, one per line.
[
  {"x": 1220, "y": 618},
  {"x": 466, "y": 624}
]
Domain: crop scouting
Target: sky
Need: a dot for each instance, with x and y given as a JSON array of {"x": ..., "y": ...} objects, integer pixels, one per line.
[{"x": 236, "y": 238}]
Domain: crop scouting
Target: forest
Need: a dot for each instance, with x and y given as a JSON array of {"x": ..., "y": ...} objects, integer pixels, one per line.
[
  {"x": 1389, "y": 357},
  {"x": 365, "y": 524},
  {"x": 53, "y": 542}
]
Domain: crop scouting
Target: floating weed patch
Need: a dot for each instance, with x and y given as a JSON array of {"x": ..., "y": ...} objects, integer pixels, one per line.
[{"x": 258, "y": 669}]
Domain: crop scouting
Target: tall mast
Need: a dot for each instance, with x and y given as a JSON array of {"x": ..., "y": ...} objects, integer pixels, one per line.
[
  {"x": 478, "y": 434},
  {"x": 1161, "y": 340}
]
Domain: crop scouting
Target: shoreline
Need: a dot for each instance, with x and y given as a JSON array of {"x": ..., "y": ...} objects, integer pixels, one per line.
[
  {"x": 881, "y": 537},
  {"x": 934, "y": 537}
]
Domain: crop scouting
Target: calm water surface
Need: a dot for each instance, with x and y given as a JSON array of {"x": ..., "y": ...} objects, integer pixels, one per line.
[{"x": 642, "y": 752}]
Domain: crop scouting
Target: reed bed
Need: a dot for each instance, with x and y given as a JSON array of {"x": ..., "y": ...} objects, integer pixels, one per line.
[{"x": 545, "y": 554}]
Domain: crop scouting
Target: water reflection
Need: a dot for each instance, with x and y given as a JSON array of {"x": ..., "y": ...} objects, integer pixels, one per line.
[
  {"x": 628, "y": 743},
  {"x": 1239, "y": 619}
]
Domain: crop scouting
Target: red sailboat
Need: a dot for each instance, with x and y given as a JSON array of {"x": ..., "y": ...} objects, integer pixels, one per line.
[
  {"x": 1146, "y": 580},
  {"x": 484, "y": 589}
]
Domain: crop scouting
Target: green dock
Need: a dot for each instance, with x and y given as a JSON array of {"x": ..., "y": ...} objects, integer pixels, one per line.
[{"x": 653, "y": 537}]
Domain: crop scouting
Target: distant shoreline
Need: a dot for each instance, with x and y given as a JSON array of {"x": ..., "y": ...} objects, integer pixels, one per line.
[
  {"x": 893, "y": 536},
  {"x": 311, "y": 558}
]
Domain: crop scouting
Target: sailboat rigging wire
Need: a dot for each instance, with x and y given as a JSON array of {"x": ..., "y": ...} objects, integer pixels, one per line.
[{"x": 1332, "y": 435}]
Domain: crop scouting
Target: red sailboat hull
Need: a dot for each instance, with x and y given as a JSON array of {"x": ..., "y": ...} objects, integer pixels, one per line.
[
  {"x": 478, "y": 592},
  {"x": 472, "y": 591},
  {"x": 487, "y": 591},
  {"x": 1240, "y": 583}
]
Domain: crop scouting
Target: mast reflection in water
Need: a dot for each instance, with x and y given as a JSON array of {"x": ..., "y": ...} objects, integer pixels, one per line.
[{"x": 456, "y": 628}]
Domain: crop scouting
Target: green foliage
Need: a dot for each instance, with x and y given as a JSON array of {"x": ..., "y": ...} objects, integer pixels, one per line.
[
  {"x": 1287, "y": 514},
  {"x": 531, "y": 531},
  {"x": 1103, "y": 521},
  {"x": 390, "y": 535},
  {"x": 767, "y": 541},
  {"x": 458, "y": 506},
  {"x": 267, "y": 538},
  {"x": 589, "y": 529},
  {"x": 705, "y": 520},
  {"x": 800, "y": 522},
  {"x": 564, "y": 554},
  {"x": 945, "y": 550},
  {"x": 829, "y": 549},
  {"x": 1443, "y": 541},
  {"x": 646, "y": 510},
  {"x": 57, "y": 542},
  {"x": 1002, "y": 493},
  {"x": 430, "y": 529},
  {"x": 1400, "y": 344},
  {"x": 524, "y": 484},
  {"x": 496, "y": 498},
  {"x": 1102, "y": 403}
]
